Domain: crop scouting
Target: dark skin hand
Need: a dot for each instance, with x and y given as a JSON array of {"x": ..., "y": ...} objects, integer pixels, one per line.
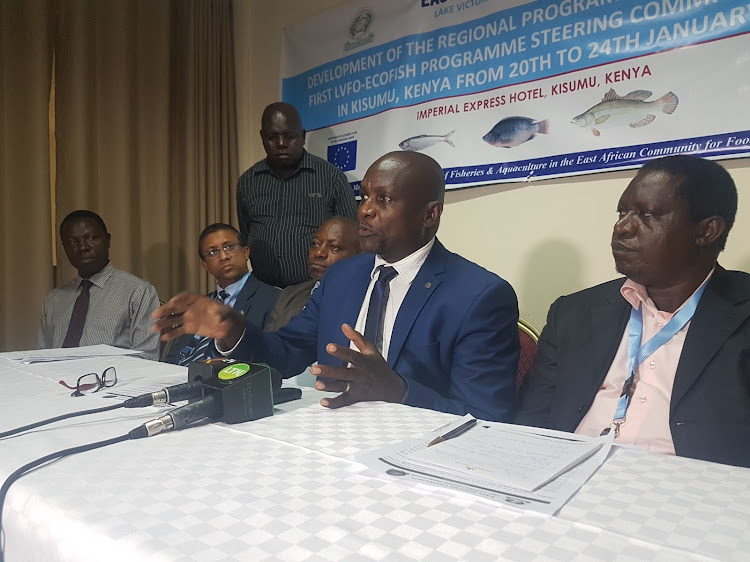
[
  {"x": 188, "y": 313},
  {"x": 368, "y": 378}
]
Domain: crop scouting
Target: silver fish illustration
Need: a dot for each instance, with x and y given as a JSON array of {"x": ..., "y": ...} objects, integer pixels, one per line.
[
  {"x": 630, "y": 109},
  {"x": 513, "y": 131},
  {"x": 425, "y": 141}
]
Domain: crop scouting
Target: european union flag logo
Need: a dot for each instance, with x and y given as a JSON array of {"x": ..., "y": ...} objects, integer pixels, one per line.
[{"x": 343, "y": 155}]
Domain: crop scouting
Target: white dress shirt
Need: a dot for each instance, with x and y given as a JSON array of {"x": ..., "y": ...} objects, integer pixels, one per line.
[{"x": 407, "y": 269}]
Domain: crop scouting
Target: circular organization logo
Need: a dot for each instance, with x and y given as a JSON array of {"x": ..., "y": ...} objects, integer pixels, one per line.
[
  {"x": 359, "y": 31},
  {"x": 395, "y": 472},
  {"x": 233, "y": 371}
]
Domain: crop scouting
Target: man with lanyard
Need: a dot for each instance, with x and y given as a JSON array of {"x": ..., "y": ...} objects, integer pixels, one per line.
[
  {"x": 660, "y": 358},
  {"x": 225, "y": 257}
]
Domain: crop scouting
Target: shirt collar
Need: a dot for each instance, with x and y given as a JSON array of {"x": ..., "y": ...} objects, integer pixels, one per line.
[
  {"x": 235, "y": 287},
  {"x": 408, "y": 267},
  {"x": 100, "y": 277},
  {"x": 305, "y": 162},
  {"x": 636, "y": 294}
]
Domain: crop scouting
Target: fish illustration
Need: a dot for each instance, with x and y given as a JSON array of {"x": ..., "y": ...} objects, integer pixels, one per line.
[
  {"x": 630, "y": 109},
  {"x": 513, "y": 131},
  {"x": 421, "y": 142}
]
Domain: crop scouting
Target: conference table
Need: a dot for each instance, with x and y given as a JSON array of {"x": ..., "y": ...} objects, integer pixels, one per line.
[{"x": 288, "y": 487}]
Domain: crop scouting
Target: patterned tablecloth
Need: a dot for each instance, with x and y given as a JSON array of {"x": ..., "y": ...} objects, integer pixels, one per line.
[{"x": 288, "y": 488}]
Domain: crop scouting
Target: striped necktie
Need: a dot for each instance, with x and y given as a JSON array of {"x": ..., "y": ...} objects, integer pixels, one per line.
[{"x": 201, "y": 349}]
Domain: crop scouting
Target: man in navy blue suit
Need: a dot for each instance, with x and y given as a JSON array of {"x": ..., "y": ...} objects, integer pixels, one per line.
[{"x": 407, "y": 321}]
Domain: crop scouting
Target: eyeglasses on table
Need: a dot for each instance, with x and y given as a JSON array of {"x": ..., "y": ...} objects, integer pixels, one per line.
[{"x": 92, "y": 382}]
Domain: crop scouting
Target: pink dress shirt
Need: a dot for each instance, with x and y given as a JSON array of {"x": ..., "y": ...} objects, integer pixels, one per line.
[{"x": 647, "y": 420}]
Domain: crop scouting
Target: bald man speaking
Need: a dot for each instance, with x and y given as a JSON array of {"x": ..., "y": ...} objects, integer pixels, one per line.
[{"x": 407, "y": 321}]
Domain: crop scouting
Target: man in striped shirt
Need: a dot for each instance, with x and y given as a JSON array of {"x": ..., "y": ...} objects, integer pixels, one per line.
[
  {"x": 102, "y": 305},
  {"x": 284, "y": 198}
]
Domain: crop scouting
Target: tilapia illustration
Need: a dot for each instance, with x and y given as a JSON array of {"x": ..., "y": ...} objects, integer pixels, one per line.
[
  {"x": 513, "y": 131},
  {"x": 421, "y": 142},
  {"x": 630, "y": 109}
]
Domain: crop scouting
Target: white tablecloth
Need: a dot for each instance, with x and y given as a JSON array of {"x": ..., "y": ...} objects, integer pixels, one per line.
[{"x": 287, "y": 488}]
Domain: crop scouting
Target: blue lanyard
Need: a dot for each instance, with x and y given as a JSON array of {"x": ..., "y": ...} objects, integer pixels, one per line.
[{"x": 638, "y": 353}]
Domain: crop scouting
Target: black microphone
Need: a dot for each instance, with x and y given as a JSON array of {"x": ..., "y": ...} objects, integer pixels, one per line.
[
  {"x": 174, "y": 393},
  {"x": 234, "y": 393}
]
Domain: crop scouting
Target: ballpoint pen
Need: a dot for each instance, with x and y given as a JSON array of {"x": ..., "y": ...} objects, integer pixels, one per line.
[{"x": 464, "y": 427}]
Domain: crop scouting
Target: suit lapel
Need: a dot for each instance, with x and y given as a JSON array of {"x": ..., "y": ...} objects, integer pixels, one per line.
[
  {"x": 354, "y": 296},
  {"x": 605, "y": 326},
  {"x": 716, "y": 318},
  {"x": 427, "y": 280},
  {"x": 242, "y": 304},
  {"x": 346, "y": 299}
]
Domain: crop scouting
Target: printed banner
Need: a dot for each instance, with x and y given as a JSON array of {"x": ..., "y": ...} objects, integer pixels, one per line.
[{"x": 511, "y": 90}]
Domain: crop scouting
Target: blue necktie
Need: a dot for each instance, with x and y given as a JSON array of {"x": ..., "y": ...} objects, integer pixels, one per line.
[
  {"x": 201, "y": 348},
  {"x": 376, "y": 311}
]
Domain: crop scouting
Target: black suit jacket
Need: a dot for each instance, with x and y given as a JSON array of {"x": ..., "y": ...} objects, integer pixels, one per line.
[
  {"x": 709, "y": 414},
  {"x": 256, "y": 301}
]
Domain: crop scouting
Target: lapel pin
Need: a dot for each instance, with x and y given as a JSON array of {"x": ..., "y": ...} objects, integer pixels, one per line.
[{"x": 427, "y": 285}]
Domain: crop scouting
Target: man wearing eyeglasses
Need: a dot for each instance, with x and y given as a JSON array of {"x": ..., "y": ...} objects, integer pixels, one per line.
[
  {"x": 225, "y": 257},
  {"x": 103, "y": 304}
]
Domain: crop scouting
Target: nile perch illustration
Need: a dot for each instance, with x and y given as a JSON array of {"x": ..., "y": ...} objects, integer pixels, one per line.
[
  {"x": 421, "y": 142},
  {"x": 512, "y": 131},
  {"x": 630, "y": 109}
]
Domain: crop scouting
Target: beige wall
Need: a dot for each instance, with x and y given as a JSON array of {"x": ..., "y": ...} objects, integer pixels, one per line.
[{"x": 547, "y": 238}]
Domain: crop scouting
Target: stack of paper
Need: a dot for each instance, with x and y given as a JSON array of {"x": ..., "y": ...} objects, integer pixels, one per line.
[
  {"x": 66, "y": 354},
  {"x": 511, "y": 458},
  {"x": 524, "y": 467}
]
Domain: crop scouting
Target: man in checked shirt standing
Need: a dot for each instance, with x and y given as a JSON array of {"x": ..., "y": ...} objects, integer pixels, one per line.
[{"x": 284, "y": 198}]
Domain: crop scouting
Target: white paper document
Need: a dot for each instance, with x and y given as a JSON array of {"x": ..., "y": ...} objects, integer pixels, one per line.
[
  {"x": 524, "y": 467},
  {"x": 66, "y": 354},
  {"x": 522, "y": 460}
]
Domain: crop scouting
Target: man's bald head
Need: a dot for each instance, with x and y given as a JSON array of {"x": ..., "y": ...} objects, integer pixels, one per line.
[
  {"x": 282, "y": 109},
  {"x": 422, "y": 173},
  {"x": 402, "y": 200}
]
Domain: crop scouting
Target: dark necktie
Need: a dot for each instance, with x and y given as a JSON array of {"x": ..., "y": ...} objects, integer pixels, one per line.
[
  {"x": 376, "y": 311},
  {"x": 78, "y": 318},
  {"x": 201, "y": 350}
]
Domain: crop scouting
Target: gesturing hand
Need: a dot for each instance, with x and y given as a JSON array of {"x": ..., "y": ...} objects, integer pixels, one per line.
[
  {"x": 189, "y": 313},
  {"x": 368, "y": 378}
]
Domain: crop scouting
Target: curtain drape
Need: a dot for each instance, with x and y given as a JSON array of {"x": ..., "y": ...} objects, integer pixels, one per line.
[
  {"x": 25, "y": 238},
  {"x": 111, "y": 122},
  {"x": 145, "y": 133},
  {"x": 203, "y": 130}
]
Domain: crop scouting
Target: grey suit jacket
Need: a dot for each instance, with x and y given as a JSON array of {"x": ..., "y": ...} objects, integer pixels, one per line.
[
  {"x": 255, "y": 301},
  {"x": 291, "y": 302},
  {"x": 710, "y": 405}
]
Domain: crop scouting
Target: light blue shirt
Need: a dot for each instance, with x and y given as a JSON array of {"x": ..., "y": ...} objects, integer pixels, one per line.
[{"x": 234, "y": 290}]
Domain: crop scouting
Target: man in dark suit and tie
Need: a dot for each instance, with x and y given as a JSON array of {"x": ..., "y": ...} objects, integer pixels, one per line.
[
  {"x": 407, "y": 322},
  {"x": 660, "y": 357},
  {"x": 225, "y": 257}
]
